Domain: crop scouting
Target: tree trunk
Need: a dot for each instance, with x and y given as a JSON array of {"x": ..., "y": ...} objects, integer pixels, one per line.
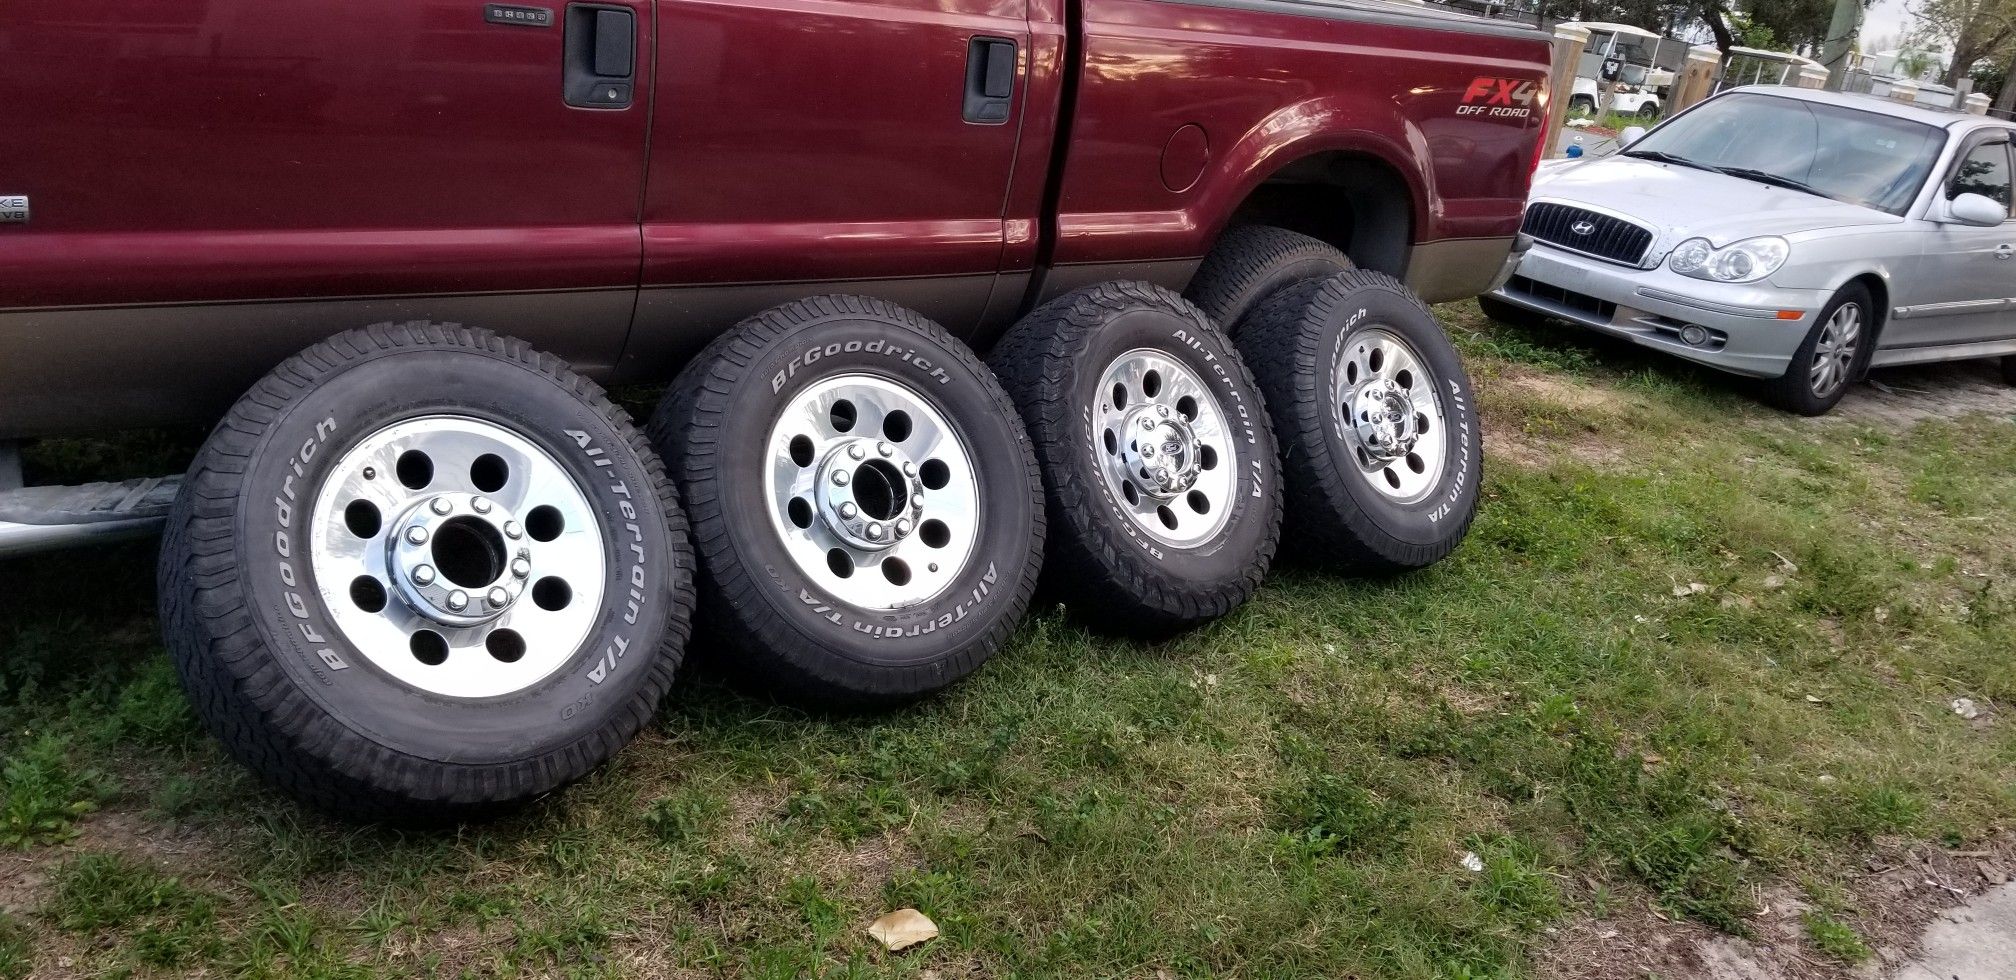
[
  {"x": 2006, "y": 100},
  {"x": 1719, "y": 26}
]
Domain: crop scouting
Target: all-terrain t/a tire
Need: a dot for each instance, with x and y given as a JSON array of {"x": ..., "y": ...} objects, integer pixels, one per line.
[
  {"x": 1162, "y": 485},
  {"x": 421, "y": 572},
  {"x": 1378, "y": 429},
  {"x": 1834, "y": 354},
  {"x": 867, "y": 514},
  {"x": 1253, "y": 262}
]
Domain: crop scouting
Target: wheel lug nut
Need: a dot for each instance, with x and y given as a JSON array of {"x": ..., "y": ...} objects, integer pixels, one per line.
[
  {"x": 909, "y": 469},
  {"x": 875, "y": 532},
  {"x": 855, "y": 451},
  {"x": 885, "y": 449},
  {"x": 849, "y": 510},
  {"x": 423, "y": 575},
  {"x": 521, "y": 568},
  {"x": 458, "y": 600},
  {"x": 839, "y": 478},
  {"x": 441, "y": 505},
  {"x": 902, "y": 527},
  {"x": 499, "y": 598},
  {"x": 917, "y": 500},
  {"x": 416, "y": 535},
  {"x": 512, "y": 530},
  {"x": 480, "y": 505},
  {"x": 1147, "y": 423}
]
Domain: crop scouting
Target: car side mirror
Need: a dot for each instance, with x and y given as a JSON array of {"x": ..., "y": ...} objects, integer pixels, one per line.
[
  {"x": 1977, "y": 210},
  {"x": 1630, "y": 135}
]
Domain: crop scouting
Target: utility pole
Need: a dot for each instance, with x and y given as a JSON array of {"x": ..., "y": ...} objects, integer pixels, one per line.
[{"x": 1841, "y": 33}]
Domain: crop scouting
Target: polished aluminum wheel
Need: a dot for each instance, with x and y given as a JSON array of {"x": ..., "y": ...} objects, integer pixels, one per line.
[
  {"x": 1164, "y": 448},
  {"x": 1834, "y": 354},
  {"x": 872, "y": 491},
  {"x": 457, "y": 556},
  {"x": 1391, "y": 415}
]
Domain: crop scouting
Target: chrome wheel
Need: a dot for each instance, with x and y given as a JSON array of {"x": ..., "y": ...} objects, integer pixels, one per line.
[
  {"x": 1164, "y": 448},
  {"x": 1391, "y": 415},
  {"x": 457, "y": 556},
  {"x": 1834, "y": 353},
  {"x": 872, "y": 491}
]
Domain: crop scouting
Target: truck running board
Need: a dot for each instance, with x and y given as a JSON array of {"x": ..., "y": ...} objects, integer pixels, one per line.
[{"x": 45, "y": 518}]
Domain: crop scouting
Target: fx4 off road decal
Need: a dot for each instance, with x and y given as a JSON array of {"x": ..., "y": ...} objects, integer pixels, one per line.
[{"x": 1501, "y": 98}]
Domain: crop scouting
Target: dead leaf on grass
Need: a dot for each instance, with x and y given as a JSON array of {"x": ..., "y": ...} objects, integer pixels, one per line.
[{"x": 903, "y": 929}]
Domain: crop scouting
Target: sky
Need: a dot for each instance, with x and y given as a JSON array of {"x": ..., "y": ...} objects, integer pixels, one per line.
[{"x": 1885, "y": 19}]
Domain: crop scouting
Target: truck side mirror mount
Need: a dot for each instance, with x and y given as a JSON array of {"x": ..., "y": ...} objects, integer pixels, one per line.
[{"x": 1977, "y": 210}]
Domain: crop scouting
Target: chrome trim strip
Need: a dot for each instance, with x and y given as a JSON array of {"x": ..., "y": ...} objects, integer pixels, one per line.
[
  {"x": 1701, "y": 304},
  {"x": 1958, "y": 306}
]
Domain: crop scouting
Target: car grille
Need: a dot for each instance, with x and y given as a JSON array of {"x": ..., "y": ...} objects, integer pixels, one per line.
[
  {"x": 1598, "y": 308},
  {"x": 1588, "y": 232}
]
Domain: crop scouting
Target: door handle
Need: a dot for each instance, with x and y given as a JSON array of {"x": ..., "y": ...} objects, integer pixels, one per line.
[
  {"x": 990, "y": 80},
  {"x": 601, "y": 57}
]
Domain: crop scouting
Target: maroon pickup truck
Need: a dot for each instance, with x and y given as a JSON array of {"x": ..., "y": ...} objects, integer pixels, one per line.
[{"x": 424, "y": 568}]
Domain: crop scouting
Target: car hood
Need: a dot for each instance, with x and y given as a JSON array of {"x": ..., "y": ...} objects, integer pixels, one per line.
[{"x": 1682, "y": 202}]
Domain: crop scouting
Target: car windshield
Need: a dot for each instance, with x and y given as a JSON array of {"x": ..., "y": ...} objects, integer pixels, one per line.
[{"x": 1845, "y": 154}]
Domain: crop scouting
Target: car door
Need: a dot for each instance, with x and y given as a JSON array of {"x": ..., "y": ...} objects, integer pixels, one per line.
[
  {"x": 807, "y": 146},
  {"x": 1969, "y": 283},
  {"x": 215, "y": 184}
]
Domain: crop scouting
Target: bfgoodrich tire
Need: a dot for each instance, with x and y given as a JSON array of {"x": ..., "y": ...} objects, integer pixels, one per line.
[
  {"x": 866, "y": 511},
  {"x": 1378, "y": 430},
  {"x": 357, "y": 493},
  {"x": 1163, "y": 490},
  {"x": 1253, "y": 262}
]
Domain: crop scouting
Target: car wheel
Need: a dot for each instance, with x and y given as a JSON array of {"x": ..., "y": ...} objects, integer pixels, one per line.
[
  {"x": 1832, "y": 356},
  {"x": 1159, "y": 467},
  {"x": 1251, "y": 263},
  {"x": 865, "y": 507},
  {"x": 1378, "y": 428},
  {"x": 1509, "y": 314},
  {"x": 1582, "y": 103},
  {"x": 421, "y": 572}
]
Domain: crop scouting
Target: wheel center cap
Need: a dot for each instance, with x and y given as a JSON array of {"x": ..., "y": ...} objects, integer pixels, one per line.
[
  {"x": 868, "y": 493},
  {"x": 1384, "y": 418},
  {"x": 1161, "y": 451},
  {"x": 458, "y": 559}
]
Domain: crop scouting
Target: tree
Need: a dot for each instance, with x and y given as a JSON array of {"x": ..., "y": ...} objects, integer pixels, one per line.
[{"x": 1971, "y": 29}]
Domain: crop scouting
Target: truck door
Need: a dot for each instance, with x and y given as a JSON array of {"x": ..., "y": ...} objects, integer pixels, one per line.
[
  {"x": 224, "y": 182},
  {"x": 806, "y": 146}
]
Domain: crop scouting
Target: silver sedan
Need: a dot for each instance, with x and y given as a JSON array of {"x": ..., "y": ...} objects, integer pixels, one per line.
[{"x": 1791, "y": 235}]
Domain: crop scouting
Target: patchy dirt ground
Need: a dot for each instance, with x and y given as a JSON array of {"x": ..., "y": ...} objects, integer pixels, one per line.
[
  {"x": 1902, "y": 396},
  {"x": 1898, "y": 892}
]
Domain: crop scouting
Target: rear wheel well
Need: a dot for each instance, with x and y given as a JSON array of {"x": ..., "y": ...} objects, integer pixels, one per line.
[{"x": 1356, "y": 203}]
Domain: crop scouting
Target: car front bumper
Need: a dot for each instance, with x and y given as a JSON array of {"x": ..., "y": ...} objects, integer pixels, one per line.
[{"x": 1747, "y": 325}]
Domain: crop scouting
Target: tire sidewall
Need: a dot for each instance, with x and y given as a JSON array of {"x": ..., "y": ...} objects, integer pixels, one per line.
[
  {"x": 1796, "y": 387},
  {"x": 1188, "y": 339},
  {"x": 1453, "y": 496},
  {"x": 642, "y": 574},
  {"x": 962, "y": 614}
]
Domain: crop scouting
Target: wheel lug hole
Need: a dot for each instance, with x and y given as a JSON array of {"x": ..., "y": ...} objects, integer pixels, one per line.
[
  {"x": 856, "y": 451},
  {"x": 849, "y": 510},
  {"x": 441, "y": 505},
  {"x": 423, "y": 575},
  {"x": 513, "y": 531},
  {"x": 521, "y": 568},
  {"x": 480, "y": 505},
  {"x": 884, "y": 449},
  {"x": 840, "y": 478},
  {"x": 416, "y": 535},
  {"x": 909, "y": 469}
]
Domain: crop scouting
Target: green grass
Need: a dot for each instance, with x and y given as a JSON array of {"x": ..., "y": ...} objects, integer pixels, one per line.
[{"x": 1302, "y": 789}]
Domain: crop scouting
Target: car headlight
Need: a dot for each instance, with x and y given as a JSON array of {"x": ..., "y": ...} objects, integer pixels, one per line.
[{"x": 1745, "y": 261}]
